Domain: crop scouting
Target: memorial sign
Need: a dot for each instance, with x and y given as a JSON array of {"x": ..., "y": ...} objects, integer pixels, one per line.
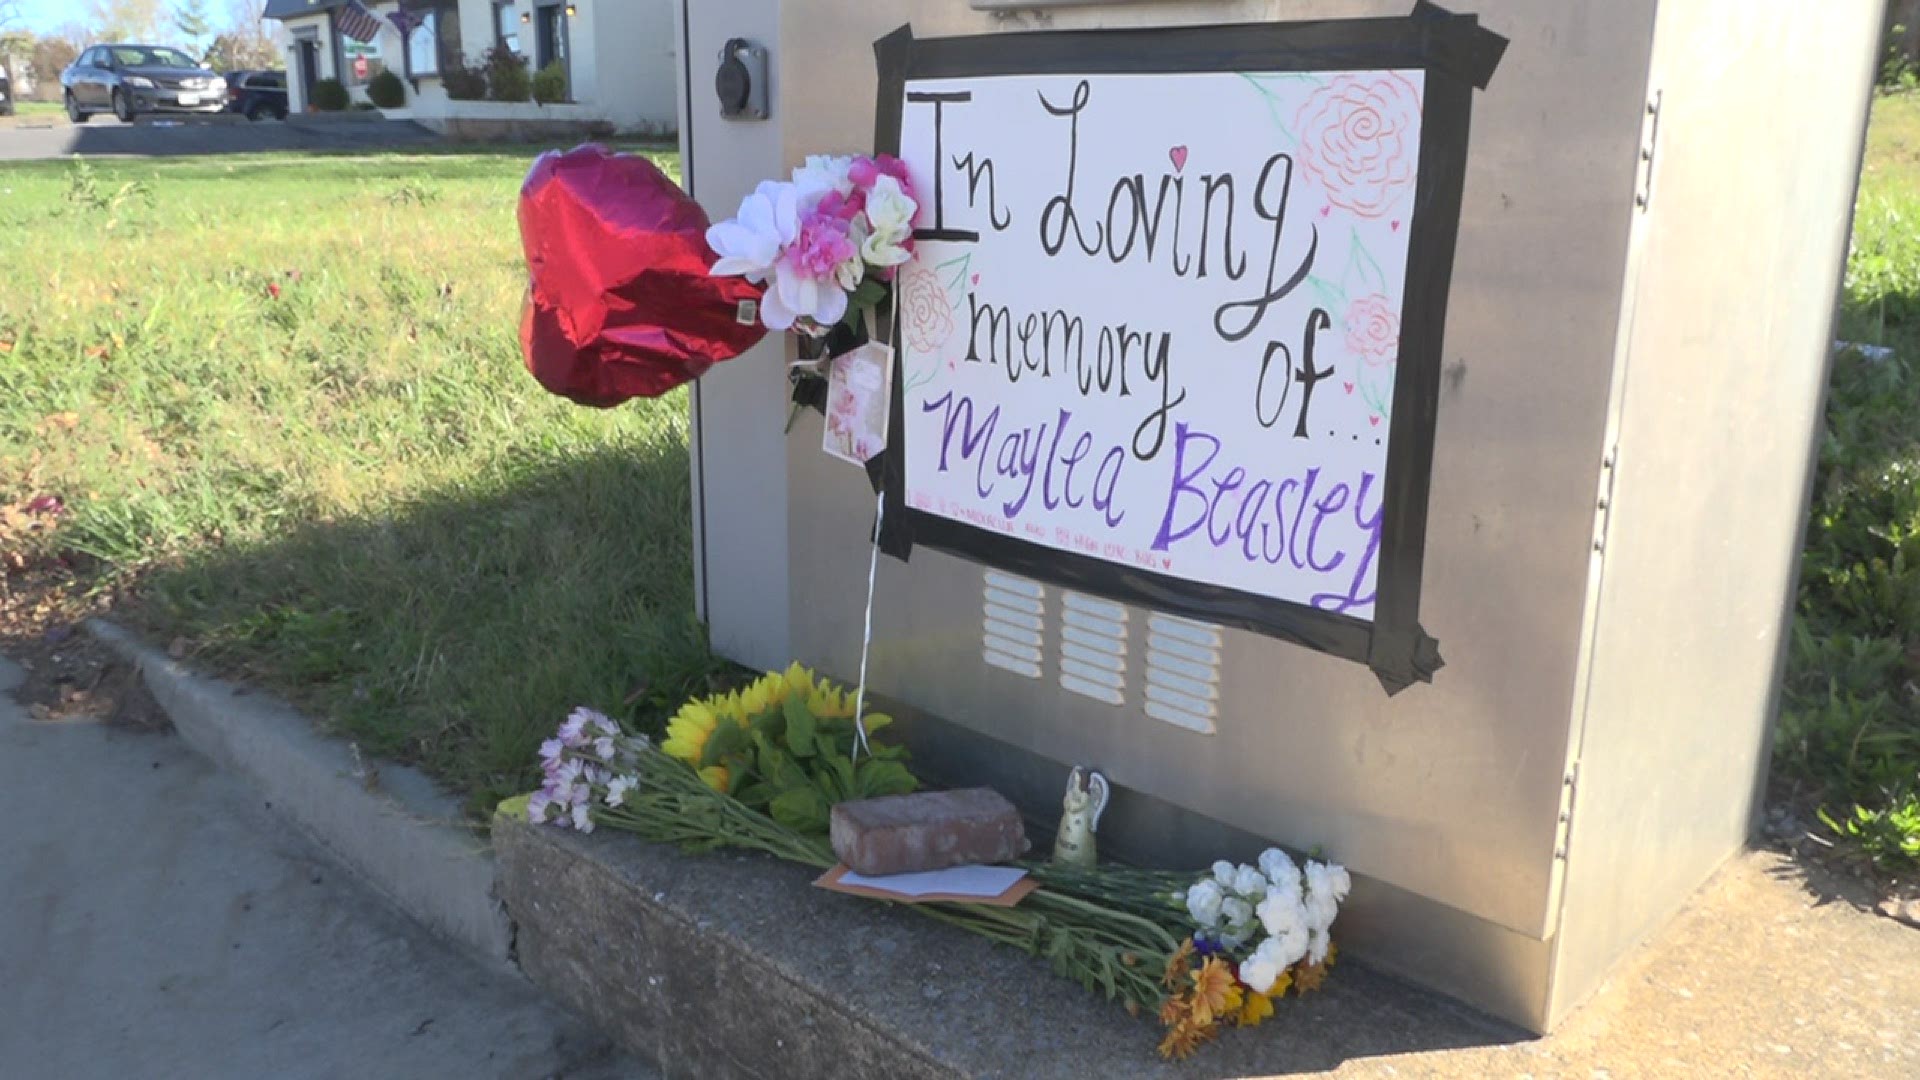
[{"x": 1171, "y": 333}]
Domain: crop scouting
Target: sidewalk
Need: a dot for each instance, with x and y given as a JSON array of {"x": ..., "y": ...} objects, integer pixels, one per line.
[{"x": 156, "y": 922}]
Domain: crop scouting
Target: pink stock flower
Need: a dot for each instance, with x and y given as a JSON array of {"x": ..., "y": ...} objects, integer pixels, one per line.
[
  {"x": 821, "y": 247},
  {"x": 842, "y": 207},
  {"x": 865, "y": 170}
]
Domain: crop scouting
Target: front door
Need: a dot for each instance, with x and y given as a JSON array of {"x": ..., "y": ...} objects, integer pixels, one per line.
[
  {"x": 308, "y": 56},
  {"x": 551, "y": 24}
]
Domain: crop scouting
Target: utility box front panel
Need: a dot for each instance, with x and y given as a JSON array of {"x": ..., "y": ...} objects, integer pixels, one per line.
[{"x": 1448, "y": 789}]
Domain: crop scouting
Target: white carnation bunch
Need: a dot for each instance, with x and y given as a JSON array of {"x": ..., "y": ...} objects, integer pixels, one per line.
[{"x": 1294, "y": 908}]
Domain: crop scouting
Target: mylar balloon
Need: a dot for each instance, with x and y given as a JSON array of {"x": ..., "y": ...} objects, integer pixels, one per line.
[{"x": 620, "y": 303}]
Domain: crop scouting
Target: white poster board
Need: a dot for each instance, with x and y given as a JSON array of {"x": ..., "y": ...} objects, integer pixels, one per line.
[{"x": 1154, "y": 319}]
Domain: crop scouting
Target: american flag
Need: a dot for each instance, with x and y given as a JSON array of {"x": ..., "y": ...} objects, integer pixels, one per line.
[{"x": 355, "y": 21}]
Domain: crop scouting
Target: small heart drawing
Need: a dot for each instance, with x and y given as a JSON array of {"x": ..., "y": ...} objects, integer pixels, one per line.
[
  {"x": 976, "y": 279},
  {"x": 1166, "y": 561},
  {"x": 1326, "y": 210},
  {"x": 1394, "y": 225},
  {"x": 1347, "y": 386},
  {"x": 1178, "y": 155},
  {"x": 1373, "y": 421}
]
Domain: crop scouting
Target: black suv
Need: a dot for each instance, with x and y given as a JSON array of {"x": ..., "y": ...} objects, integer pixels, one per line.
[
  {"x": 132, "y": 79},
  {"x": 6, "y": 95},
  {"x": 257, "y": 95}
]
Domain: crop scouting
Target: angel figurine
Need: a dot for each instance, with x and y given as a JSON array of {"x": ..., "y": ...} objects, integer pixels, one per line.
[{"x": 1086, "y": 800}]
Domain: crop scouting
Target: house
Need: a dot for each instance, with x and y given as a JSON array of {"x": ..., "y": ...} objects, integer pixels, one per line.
[{"x": 618, "y": 56}]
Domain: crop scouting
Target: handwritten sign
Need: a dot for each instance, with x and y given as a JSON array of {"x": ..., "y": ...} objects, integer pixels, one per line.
[
  {"x": 1163, "y": 328},
  {"x": 1157, "y": 323}
]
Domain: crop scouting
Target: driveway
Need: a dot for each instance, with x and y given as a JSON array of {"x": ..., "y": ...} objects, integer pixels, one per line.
[
  {"x": 36, "y": 138},
  {"x": 157, "y": 921}
]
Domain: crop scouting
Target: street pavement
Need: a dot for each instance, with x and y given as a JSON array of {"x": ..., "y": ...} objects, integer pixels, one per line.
[
  {"x": 42, "y": 137},
  {"x": 156, "y": 921}
]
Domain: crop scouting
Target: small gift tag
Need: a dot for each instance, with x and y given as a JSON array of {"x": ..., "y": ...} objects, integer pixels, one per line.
[{"x": 859, "y": 393}]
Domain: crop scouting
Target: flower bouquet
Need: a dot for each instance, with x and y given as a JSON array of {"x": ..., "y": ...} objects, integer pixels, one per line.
[
  {"x": 755, "y": 767},
  {"x": 824, "y": 243}
]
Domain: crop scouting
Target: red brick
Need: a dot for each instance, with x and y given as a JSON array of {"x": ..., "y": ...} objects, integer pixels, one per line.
[{"x": 931, "y": 830}]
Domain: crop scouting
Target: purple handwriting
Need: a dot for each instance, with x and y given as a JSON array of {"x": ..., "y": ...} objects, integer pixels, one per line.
[
  {"x": 1275, "y": 519},
  {"x": 1028, "y": 456}
]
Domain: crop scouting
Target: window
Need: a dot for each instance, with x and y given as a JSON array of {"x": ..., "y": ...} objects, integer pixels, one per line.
[
  {"x": 143, "y": 56},
  {"x": 506, "y": 25},
  {"x": 434, "y": 45}
]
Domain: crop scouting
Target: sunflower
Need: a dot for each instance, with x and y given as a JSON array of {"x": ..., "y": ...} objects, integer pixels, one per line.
[
  {"x": 762, "y": 695},
  {"x": 717, "y": 777},
  {"x": 689, "y": 730},
  {"x": 798, "y": 681}
]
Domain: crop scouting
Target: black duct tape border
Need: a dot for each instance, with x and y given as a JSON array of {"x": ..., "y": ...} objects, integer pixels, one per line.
[{"x": 1458, "y": 55}]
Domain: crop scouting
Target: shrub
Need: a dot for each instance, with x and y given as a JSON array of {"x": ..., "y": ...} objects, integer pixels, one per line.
[
  {"x": 330, "y": 96},
  {"x": 387, "y": 90},
  {"x": 507, "y": 77},
  {"x": 550, "y": 84},
  {"x": 465, "y": 82}
]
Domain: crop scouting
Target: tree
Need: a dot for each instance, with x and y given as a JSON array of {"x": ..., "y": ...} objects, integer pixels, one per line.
[
  {"x": 245, "y": 44},
  {"x": 236, "y": 50},
  {"x": 191, "y": 19},
  {"x": 12, "y": 29},
  {"x": 52, "y": 55},
  {"x": 16, "y": 46},
  {"x": 124, "y": 20}
]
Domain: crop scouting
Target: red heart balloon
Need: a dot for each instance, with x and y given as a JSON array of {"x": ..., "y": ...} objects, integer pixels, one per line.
[{"x": 620, "y": 304}]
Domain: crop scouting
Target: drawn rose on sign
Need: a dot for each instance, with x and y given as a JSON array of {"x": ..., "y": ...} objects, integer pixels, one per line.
[
  {"x": 1360, "y": 139},
  {"x": 1373, "y": 330},
  {"x": 924, "y": 312}
]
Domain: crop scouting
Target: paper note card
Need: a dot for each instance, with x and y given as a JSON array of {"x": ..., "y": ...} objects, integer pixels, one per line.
[{"x": 1003, "y": 886}]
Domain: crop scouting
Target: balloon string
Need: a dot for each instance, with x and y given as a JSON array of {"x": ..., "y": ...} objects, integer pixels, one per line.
[{"x": 866, "y": 636}]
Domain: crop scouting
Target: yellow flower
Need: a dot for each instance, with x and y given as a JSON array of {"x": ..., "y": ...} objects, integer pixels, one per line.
[
  {"x": 1178, "y": 965},
  {"x": 1216, "y": 993},
  {"x": 827, "y": 703},
  {"x": 1259, "y": 1006},
  {"x": 1184, "y": 1038},
  {"x": 756, "y": 699},
  {"x": 1308, "y": 977},
  {"x": 799, "y": 681},
  {"x": 716, "y": 777},
  {"x": 688, "y": 731},
  {"x": 731, "y": 708}
]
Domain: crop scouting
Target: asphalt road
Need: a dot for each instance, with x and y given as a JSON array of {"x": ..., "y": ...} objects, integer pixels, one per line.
[
  {"x": 40, "y": 138},
  {"x": 157, "y": 922}
]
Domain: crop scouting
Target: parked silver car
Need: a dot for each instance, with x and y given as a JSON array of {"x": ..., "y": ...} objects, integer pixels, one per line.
[{"x": 131, "y": 79}]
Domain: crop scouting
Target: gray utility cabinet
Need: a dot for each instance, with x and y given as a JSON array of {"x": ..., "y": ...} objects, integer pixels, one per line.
[{"x": 1655, "y": 211}]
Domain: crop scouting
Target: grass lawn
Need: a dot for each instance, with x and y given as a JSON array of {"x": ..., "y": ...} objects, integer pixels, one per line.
[
  {"x": 1850, "y": 732},
  {"x": 280, "y": 402}
]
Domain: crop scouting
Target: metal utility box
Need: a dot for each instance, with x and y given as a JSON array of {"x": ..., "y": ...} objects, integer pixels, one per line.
[{"x": 1654, "y": 210}]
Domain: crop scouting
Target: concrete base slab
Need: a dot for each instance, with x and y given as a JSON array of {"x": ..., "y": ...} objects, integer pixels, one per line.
[{"x": 730, "y": 965}]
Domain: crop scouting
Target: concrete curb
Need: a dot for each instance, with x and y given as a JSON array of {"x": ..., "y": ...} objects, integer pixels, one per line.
[{"x": 400, "y": 833}]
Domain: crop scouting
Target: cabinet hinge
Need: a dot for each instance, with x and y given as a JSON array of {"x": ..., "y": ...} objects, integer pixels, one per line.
[
  {"x": 1603, "y": 503},
  {"x": 1649, "y": 146},
  {"x": 1569, "y": 788}
]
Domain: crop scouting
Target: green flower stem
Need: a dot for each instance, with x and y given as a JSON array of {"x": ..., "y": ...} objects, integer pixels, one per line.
[{"x": 1086, "y": 924}]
